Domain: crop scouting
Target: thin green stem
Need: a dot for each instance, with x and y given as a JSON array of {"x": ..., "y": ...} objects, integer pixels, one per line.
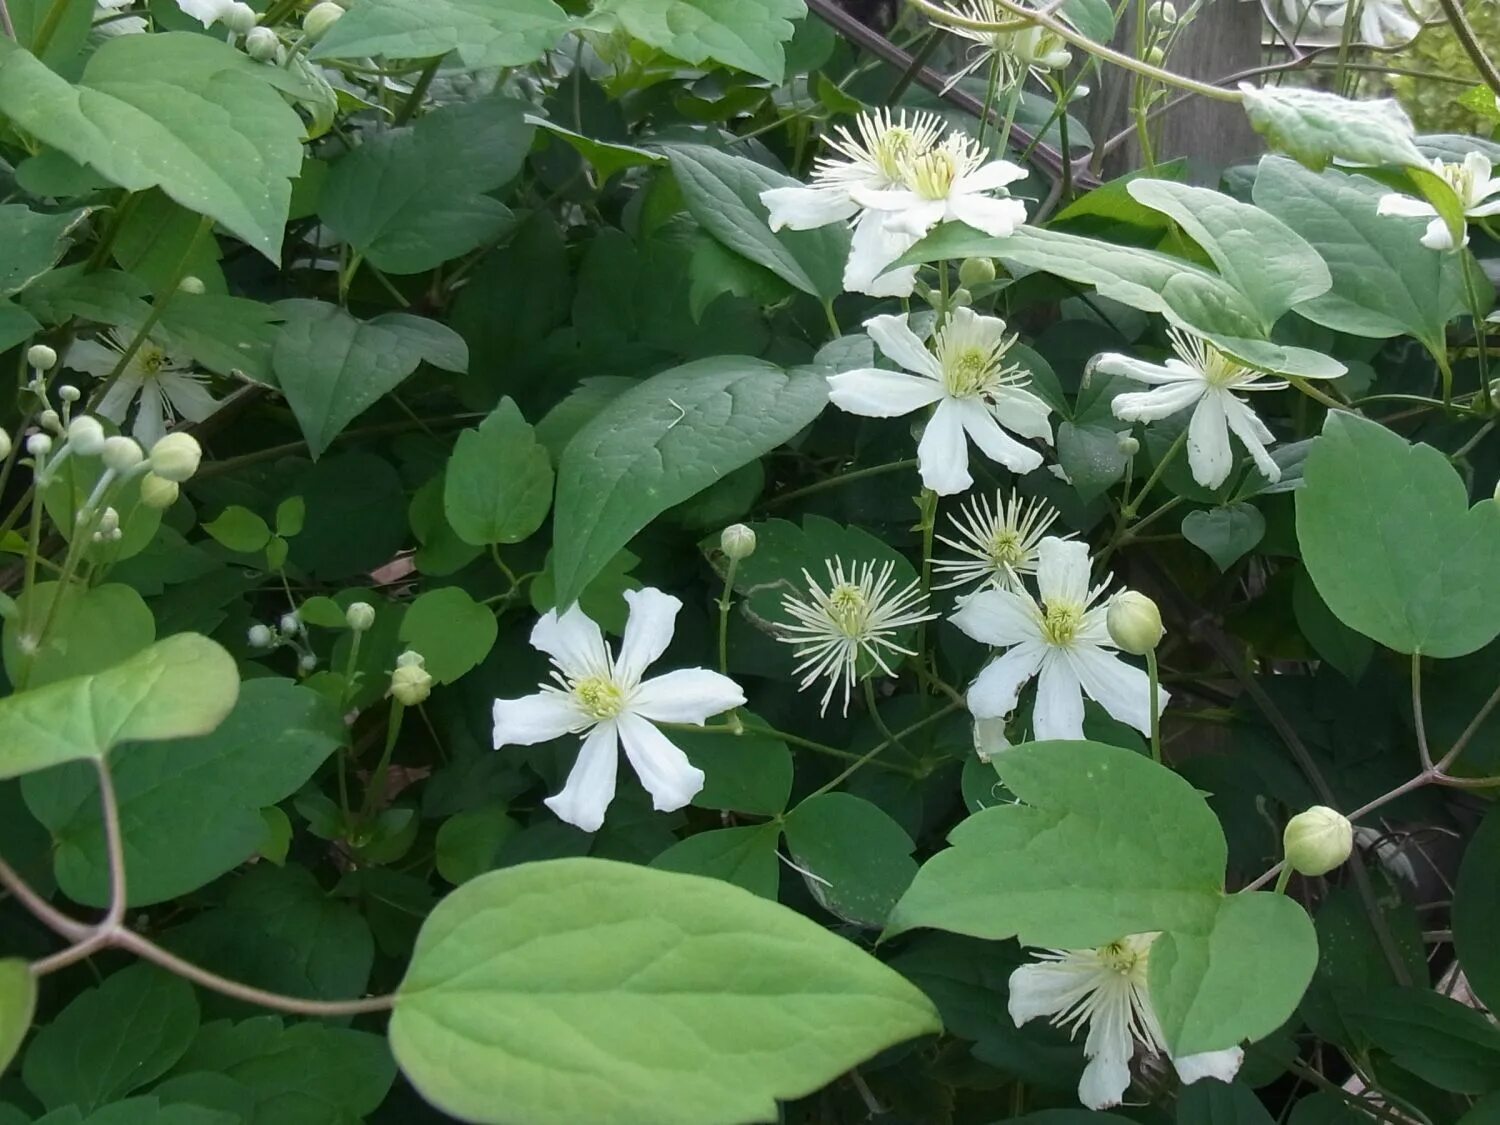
[
  {"x": 1471, "y": 293},
  {"x": 839, "y": 481},
  {"x": 889, "y": 740},
  {"x": 376, "y": 788},
  {"x": 418, "y": 92},
  {"x": 991, "y": 85},
  {"x": 1283, "y": 877},
  {"x": 724, "y": 604},
  {"x": 1131, "y": 507},
  {"x": 1155, "y": 674}
]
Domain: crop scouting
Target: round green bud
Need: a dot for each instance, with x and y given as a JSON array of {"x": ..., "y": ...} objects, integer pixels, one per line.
[
  {"x": 360, "y": 616},
  {"x": 411, "y": 658},
  {"x": 976, "y": 271},
  {"x": 261, "y": 43},
  {"x": 176, "y": 457},
  {"x": 1128, "y": 445},
  {"x": 41, "y": 357},
  {"x": 1134, "y": 622},
  {"x": 410, "y": 684},
  {"x": 158, "y": 492},
  {"x": 50, "y": 420},
  {"x": 1163, "y": 13},
  {"x": 1317, "y": 841},
  {"x": 962, "y": 298},
  {"x": 86, "y": 436},
  {"x": 121, "y": 453},
  {"x": 1155, "y": 57},
  {"x": 192, "y": 286},
  {"x": 737, "y": 542},
  {"x": 320, "y": 18},
  {"x": 307, "y": 661}
]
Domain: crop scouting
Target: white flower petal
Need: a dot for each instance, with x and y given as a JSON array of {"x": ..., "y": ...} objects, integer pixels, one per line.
[
  {"x": 1120, "y": 688},
  {"x": 943, "y": 452},
  {"x": 536, "y": 718},
  {"x": 92, "y": 357},
  {"x": 206, "y": 12},
  {"x": 885, "y": 199},
  {"x": 688, "y": 695},
  {"x": 1209, "y": 452},
  {"x": 872, "y": 249},
  {"x": 1058, "y": 713},
  {"x": 150, "y": 424},
  {"x": 187, "y": 394},
  {"x": 915, "y": 221},
  {"x": 1104, "y": 1081},
  {"x": 116, "y": 401},
  {"x": 591, "y": 782},
  {"x": 876, "y": 393},
  {"x": 1022, "y": 412},
  {"x": 993, "y": 441},
  {"x": 995, "y": 174},
  {"x": 648, "y": 632},
  {"x": 664, "y": 769},
  {"x": 896, "y": 341},
  {"x": 996, "y": 690},
  {"x": 1405, "y": 205},
  {"x": 573, "y": 641},
  {"x": 998, "y": 218},
  {"x": 1173, "y": 371},
  {"x": 1254, "y": 433},
  {"x": 1044, "y": 988},
  {"x": 1439, "y": 237},
  {"x": 1160, "y": 402},
  {"x": 997, "y": 617},
  {"x": 1223, "y": 1065},
  {"x": 1062, "y": 571},
  {"x": 807, "y": 208}
]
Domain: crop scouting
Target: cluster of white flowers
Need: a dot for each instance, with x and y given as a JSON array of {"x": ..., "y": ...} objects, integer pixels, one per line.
[{"x": 896, "y": 177}]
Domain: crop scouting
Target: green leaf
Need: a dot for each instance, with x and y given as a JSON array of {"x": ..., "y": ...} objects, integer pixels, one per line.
[
  {"x": 332, "y": 367},
  {"x": 451, "y": 630},
  {"x": 663, "y": 441},
  {"x": 746, "y": 773},
  {"x": 1225, "y": 534},
  {"x": 606, "y": 157},
  {"x": 1091, "y": 456},
  {"x": 1388, "y": 536},
  {"x": 230, "y": 336},
  {"x": 17, "y": 1007},
  {"x": 91, "y": 629},
  {"x": 143, "y": 1111},
  {"x": 239, "y": 529},
  {"x": 1218, "y": 1103},
  {"x": 441, "y": 552},
  {"x": 469, "y": 842},
  {"x": 1476, "y": 910},
  {"x": 180, "y": 687},
  {"x": 1315, "y": 127},
  {"x": 1330, "y": 638},
  {"x": 745, "y": 856},
  {"x": 412, "y": 198},
  {"x": 1436, "y": 1038},
  {"x": 291, "y": 515},
  {"x": 1385, "y": 282},
  {"x": 857, "y": 859},
  {"x": 189, "y": 810},
  {"x": 498, "y": 484},
  {"x": 112, "y": 1039},
  {"x": 722, "y": 192},
  {"x": 32, "y": 243},
  {"x": 702, "y": 1003},
  {"x": 748, "y": 37},
  {"x": 485, "y": 33},
  {"x": 601, "y": 599},
  {"x": 180, "y": 111}
]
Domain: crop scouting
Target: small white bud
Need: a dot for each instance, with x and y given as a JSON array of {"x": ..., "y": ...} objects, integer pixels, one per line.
[
  {"x": 737, "y": 542},
  {"x": 962, "y": 298},
  {"x": 39, "y": 445},
  {"x": 41, "y": 357},
  {"x": 411, "y": 659},
  {"x": 262, "y": 44},
  {"x": 49, "y": 420},
  {"x": 238, "y": 17},
  {"x": 109, "y": 523},
  {"x": 1134, "y": 622},
  {"x": 193, "y": 286},
  {"x": 359, "y": 616},
  {"x": 259, "y": 636},
  {"x": 1317, "y": 841},
  {"x": 176, "y": 457},
  {"x": 4, "y": 444},
  {"x": 121, "y": 453},
  {"x": 158, "y": 492},
  {"x": 320, "y": 18},
  {"x": 410, "y": 684},
  {"x": 1128, "y": 445},
  {"x": 69, "y": 393},
  {"x": 976, "y": 271},
  {"x": 290, "y": 624},
  {"x": 86, "y": 436},
  {"x": 307, "y": 662}
]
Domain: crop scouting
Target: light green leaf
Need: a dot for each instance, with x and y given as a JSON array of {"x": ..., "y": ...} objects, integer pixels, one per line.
[
  {"x": 332, "y": 367},
  {"x": 412, "y": 198},
  {"x": 744, "y": 856},
  {"x": 158, "y": 237},
  {"x": 229, "y": 336},
  {"x": 485, "y": 33},
  {"x": 857, "y": 859},
  {"x": 469, "y": 842},
  {"x": 1225, "y": 534},
  {"x": 190, "y": 810},
  {"x": 1385, "y": 282},
  {"x": 239, "y": 529},
  {"x": 291, "y": 514},
  {"x": 606, "y": 156},
  {"x": 31, "y": 243},
  {"x": 17, "y": 1007},
  {"x": 451, "y": 630},
  {"x": 498, "y": 484},
  {"x": 112, "y": 1039},
  {"x": 586, "y": 990},
  {"x": 602, "y": 599},
  {"x": 748, "y": 37},
  {"x": 663, "y": 441},
  {"x": 1234, "y": 1103},
  {"x": 180, "y": 111},
  {"x": 722, "y": 192},
  {"x": 180, "y": 687},
  {"x": 1316, "y": 127},
  {"x": 1388, "y": 536},
  {"x": 92, "y": 629}
]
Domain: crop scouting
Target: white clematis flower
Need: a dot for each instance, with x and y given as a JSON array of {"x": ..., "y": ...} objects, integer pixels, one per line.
[
  {"x": 1106, "y": 988},
  {"x": 1063, "y": 641},
  {"x": 1204, "y": 379},
  {"x": 999, "y": 542},
  {"x": 603, "y": 697},
  {"x": 165, "y": 385},
  {"x": 975, "y": 391},
  {"x": 1033, "y": 49},
  {"x": 206, "y": 12},
  {"x": 874, "y": 160},
  {"x": 1477, "y": 190},
  {"x": 1382, "y": 23}
]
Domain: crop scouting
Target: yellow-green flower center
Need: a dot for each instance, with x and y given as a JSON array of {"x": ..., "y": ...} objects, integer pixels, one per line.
[
  {"x": 933, "y": 173},
  {"x": 151, "y": 360},
  {"x": 1004, "y": 547},
  {"x": 1219, "y": 370},
  {"x": 1121, "y": 957},
  {"x": 891, "y": 152},
  {"x": 968, "y": 372},
  {"x": 1061, "y": 622},
  {"x": 1461, "y": 181},
  {"x": 849, "y": 609},
  {"x": 599, "y": 697}
]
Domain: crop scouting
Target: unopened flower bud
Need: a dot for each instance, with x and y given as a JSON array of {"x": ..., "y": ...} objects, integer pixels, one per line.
[
  {"x": 976, "y": 271},
  {"x": 176, "y": 457},
  {"x": 1155, "y": 57},
  {"x": 737, "y": 542},
  {"x": 41, "y": 357},
  {"x": 49, "y": 420},
  {"x": 86, "y": 436},
  {"x": 158, "y": 492},
  {"x": 411, "y": 659},
  {"x": 1317, "y": 841},
  {"x": 192, "y": 286},
  {"x": 1134, "y": 622},
  {"x": 1163, "y": 13},
  {"x": 109, "y": 526},
  {"x": 259, "y": 636},
  {"x": 290, "y": 624},
  {"x": 238, "y": 17},
  {"x": 39, "y": 445},
  {"x": 1129, "y": 446},
  {"x": 69, "y": 393},
  {"x": 359, "y": 616},
  {"x": 962, "y": 298},
  {"x": 307, "y": 662},
  {"x": 261, "y": 43},
  {"x": 410, "y": 683},
  {"x": 320, "y": 18},
  {"x": 121, "y": 453},
  {"x": 4, "y": 444}
]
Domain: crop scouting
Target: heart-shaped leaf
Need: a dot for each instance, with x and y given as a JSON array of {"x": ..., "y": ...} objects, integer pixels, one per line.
[{"x": 1225, "y": 534}]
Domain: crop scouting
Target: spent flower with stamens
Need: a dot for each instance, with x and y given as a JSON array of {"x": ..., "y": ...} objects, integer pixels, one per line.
[
  {"x": 1033, "y": 49},
  {"x": 1478, "y": 194},
  {"x": 999, "y": 541},
  {"x": 859, "y": 613}
]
